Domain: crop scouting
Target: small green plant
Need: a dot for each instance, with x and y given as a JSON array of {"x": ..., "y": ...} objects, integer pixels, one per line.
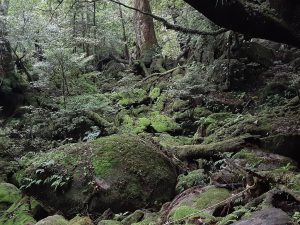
[
  {"x": 44, "y": 176},
  {"x": 296, "y": 217},
  {"x": 93, "y": 134}
]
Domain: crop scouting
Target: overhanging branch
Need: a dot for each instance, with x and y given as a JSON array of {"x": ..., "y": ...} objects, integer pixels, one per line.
[{"x": 171, "y": 26}]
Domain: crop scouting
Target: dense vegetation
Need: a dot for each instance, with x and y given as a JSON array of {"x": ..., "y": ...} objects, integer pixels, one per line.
[{"x": 149, "y": 112}]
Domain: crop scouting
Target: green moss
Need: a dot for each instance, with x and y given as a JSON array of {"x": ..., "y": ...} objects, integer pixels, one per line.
[
  {"x": 294, "y": 183},
  {"x": 146, "y": 222},
  {"x": 252, "y": 158},
  {"x": 179, "y": 105},
  {"x": 18, "y": 213},
  {"x": 162, "y": 123},
  {"x": 257, "y": 159},
  {"x": 109, "y": 222},
  {"x": 87, "y": 102},
  {"x": 54, "y": 220},
  {"x": 131, "y": 97},
  {"x": 201, "y": 112},
  {"x": 81, "y": 221},
  {"x": 136, "y": 126},
  {"x": 128, "y": 165},
  {"x": 211, "y": 197},
  {"x": 9, "y": 194},
  {"x": 133, "y": 218},
  {"x": 155, "y": 93},
  {"x": 185, "y": 213},
  {"x": 193, "y": 178},
  {"x": 160, "y": 103}
]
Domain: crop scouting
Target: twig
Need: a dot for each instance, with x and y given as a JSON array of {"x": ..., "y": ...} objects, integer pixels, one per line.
[{"x": 161, "y": 74}]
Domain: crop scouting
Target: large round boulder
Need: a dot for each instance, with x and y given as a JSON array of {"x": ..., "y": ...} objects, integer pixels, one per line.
[{"x": 120, "y": 172}]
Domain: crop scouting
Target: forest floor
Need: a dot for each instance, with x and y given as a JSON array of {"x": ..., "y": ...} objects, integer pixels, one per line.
[{"x": 200, "y": 144}]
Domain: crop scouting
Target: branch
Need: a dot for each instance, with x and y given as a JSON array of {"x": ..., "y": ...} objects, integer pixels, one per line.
[
  {"x": 161, "y": 74},
  {"x": 173, "y": 26}
]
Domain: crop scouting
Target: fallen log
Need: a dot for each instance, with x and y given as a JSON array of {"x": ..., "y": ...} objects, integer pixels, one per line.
[{"x": 187, "y": 152}]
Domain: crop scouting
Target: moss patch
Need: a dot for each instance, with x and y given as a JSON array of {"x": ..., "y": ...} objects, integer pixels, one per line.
[
  {"x": 162, "y": 123},
  {"x": 109, "y": 222},
  {"x": 155, "y": 93},
  {"x": 191, "y": 205},
  {"x": 134, "y": 96},
  {"x": 9, "y": 194},
  {"x": 185, "y": 213},
  {"x": 128, "y": 168},
  {"x": 19, "y": 213}
]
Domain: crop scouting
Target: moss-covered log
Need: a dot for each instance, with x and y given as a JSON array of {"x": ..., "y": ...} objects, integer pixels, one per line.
[{"x": 213, "y": 149}]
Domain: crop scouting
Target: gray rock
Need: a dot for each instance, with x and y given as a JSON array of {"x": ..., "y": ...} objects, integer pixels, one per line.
[{"x": 270, "y": 216}]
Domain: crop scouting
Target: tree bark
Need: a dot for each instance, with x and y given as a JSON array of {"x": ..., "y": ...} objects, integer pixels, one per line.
[
  {"x": 276, "y": 20},
  {"x": 144, "y": 28},
  {"x": 126, "y": 50}
]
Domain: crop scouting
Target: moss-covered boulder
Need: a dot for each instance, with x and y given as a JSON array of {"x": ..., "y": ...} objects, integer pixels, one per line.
[
  {"x": 120, "y": 172},
  {"x": 81, "y": 221},
  {"x": 196, "y": 203},
  {"x": 9, "y": 194},
  {"x": 53, "y": 220}
]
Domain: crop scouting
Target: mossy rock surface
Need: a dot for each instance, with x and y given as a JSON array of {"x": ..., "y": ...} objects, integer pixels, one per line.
[
  {"x": 198, "y": 204},
  {"x": 81, "y": 221},
  {"x": 20, "y": 213},
  {"x": 109, "y": 222},
  {"x": 120, "y": 172},
  {"x": 9, "y": 194},
  {"x": 53, "y": 220}
]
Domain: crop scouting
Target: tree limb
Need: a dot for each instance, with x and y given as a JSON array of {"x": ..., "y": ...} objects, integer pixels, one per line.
[{"x": 173, "y": 26}]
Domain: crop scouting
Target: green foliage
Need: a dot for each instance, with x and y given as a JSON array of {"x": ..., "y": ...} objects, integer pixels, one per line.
[
  {"x": 155, "y": 93},
  {"x": 130, "y": 97},
  {"x": 296, "y": 217},
  {"x": 44, "y": 176},
  {"x": 193, "y": 178},
  {"x": 96, "y": 102},
  {"x": 211, "y": 197}
]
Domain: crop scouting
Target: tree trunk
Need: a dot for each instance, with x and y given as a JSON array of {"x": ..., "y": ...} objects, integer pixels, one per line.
[
  {"x": 276, "y": 20},
  {"x": 144, "y": 28},
  {"x": 126, "y": 50}
]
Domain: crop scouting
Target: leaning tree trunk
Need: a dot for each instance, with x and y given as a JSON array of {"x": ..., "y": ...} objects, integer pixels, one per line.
[
  {"x": 276, "y": 20},
  {"x": 144, "y": 28}
]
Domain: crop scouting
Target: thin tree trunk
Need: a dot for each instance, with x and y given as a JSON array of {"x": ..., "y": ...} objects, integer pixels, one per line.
[{"x": 126, "y": 50}]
